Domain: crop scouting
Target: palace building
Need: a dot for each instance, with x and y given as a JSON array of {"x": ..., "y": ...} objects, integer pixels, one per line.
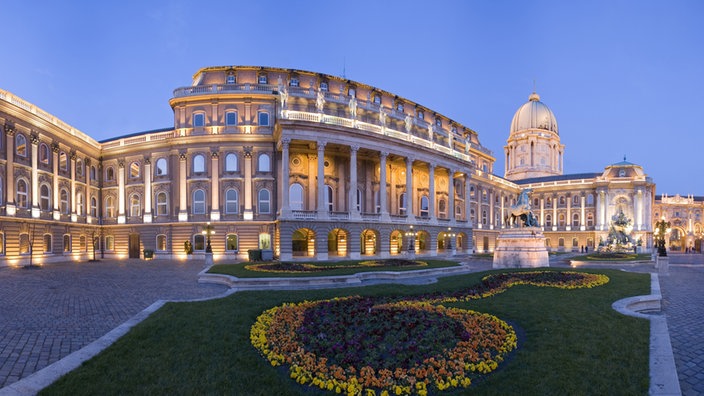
[{"x": 302, "y": 163}]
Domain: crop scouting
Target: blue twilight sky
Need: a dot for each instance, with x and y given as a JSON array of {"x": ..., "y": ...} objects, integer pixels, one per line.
[{"x": 622, "y": 77}]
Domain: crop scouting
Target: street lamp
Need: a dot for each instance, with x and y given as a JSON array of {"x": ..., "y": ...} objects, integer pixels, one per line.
[
  {"x": 450, "y": 235},
  {"x": 411, "y": 240},
  {"x": 662, "y": 227},
  {"x": 208, "y": 230}
]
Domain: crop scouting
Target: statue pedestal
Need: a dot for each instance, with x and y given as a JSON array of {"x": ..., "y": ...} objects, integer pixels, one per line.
[{"x": 521, "y": 248}]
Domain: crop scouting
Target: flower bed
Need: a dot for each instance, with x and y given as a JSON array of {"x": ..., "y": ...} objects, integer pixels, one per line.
[
  {"x": 370, "y": 346},
  {"x": 289, "y": 267}
]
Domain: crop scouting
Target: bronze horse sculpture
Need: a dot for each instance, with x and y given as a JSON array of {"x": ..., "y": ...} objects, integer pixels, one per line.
[{"x": 522, "y": 210}]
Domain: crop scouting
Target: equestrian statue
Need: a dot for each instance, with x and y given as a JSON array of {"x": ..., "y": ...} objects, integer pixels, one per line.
[{"x": 521, "y": 210}]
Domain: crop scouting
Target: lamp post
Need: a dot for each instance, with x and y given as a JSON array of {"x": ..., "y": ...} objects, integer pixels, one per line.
[
  {"x": 410, "y": 235},
  {"x": 208, "y": 230},
  {"x": 662, "y": 227}
]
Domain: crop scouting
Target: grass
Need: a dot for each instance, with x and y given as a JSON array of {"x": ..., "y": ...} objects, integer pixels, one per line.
[
  {"x": 614, "y": 257},
  {"x": 570, "y": 342},
  {"x": 329, "y": 268}
]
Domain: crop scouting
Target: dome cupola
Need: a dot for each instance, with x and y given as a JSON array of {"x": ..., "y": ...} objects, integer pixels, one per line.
[{"x": 534, "y": 115}]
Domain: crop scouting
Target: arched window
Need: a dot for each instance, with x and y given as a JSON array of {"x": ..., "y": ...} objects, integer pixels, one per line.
[
  {"x": 162, "y": 168},
  {"x": 232, "y": 243},
  {"x": 63, "y": 201},
  {"x": 424, "y": 206},
  {"x": 590, "y": 220},
  {"x": 402, "y": 204},
  {"x": 263, "y": 118},
  {"x": 45, "y": 198},
  {"x": 329, "y": 197},
  {"x": 135, "y": 205},
  {"x": 575, "y": 242},
  {"x": 47, "y": 243},
  {"x": 561, "y": 220},
  {"x": 264, "y": 163},
  {"x": 21, "y": 145},
  {"x": 109, "y": 207},
  {"x": 590, "y": 199},
  {"x": 93, "y": 173},
  {"x": 93, "y": 207},
  {"x": 575, "y": 200},
  {"x": 231, "y": 162},
  {"x": 231, "y": 118},
  {"x": 198, "y": 243},
  {"x": 548, "y": 220},
  {"x": 162, "y": 206},
  {"x": 22, "y": 190},
  {"x": 231, "y": 79},
  {"x": 134, "y": 170},
  {"x": 79, "y": 167},
  {"x": 295, "y": 196},
  {"x": 359, "y": 201},
  {"x": 324, "y": 86},
  {"x": 575, "y": 220},
  {"x": 198, "y": 120},
  {"x": 44, "y": 153},
  {"x": 562, "y": 200},
  {"x": 198, "y": 202},
  {"x": 548, "y": 202},
  {"x": 63, "y": 161},
  {"x": 24, "y": 243},
  {"x": 67, "y": 243},
  {"x": 442, "y": 208},
  {"x": 472, "y": 215},
  {"x": 110, "y": 174},
  {"x": 231, "y": 201},
  {"x": 484, "y": 217},
  {"x": 264, "y": 201},
  {"x": 161, "y": 242},
  {"x": 198, "y": 163},
  {"x": 79, "y": 204}
]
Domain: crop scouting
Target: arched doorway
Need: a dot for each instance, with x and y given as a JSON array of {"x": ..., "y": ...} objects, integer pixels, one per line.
[
  {"x": 368, "y": 242},
  {"x": 677, "y": 240},
  {"x": 396, "y": 242},
  {"x": 133, "y": 245},
  {"x": 337, "y": 242},
  {"x": 422, "y": 241},
  {"x": 303, "y": 243}
]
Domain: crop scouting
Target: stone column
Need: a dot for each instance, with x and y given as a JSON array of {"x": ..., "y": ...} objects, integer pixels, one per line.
[
  {"x": 248, "y": 212},
  {"x": 72, "y": 170},
  {"x": 431, "y": 197},
  {"x": 352, "y": 197},
  {"x": 121, "y": 219},
  {"x": 542, "y": 212},
  {"x": 409, "y": 189},
  {"x": 639, "y": 211},
  {"x": 35, "y": 175},
  {"x": 478, "y": 193},
  {"x": 382, "y": 186},
  {"x": 467, "y": 203},
  {"x": 568, "y": 220},
  {"x": 582, "y": 218},
  {"x": 555, "y": 221},
  {"x": 147, "y": 217},
  {"x": 214, "y": 186},
  {"x": 491, "y": 209},
  {"x": 451, "y": 194},
  {"x": 502, "y": 217},
  {"x": 10, "y": 204},
  {"x": 598, "y": 209},
  {"x": 285, "y": 176},
  {"x": 55, "y": 188},
  {"x": 89, "y": 217},
  {"x": 182, "y": 188},
  {"x": 322, "y": 204}
]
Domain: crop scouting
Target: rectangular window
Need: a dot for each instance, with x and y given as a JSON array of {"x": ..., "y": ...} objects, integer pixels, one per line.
[
  {"x": 264, "y": 241},
  {"x": 232, "y": 243},
  {"x": 263, "y": 118},
  {"x": 231, "y": 118},
  {"x": 198, "y": 120},
  {"x": 262, "y": 79},
  {"x": 198, "y": 243}
]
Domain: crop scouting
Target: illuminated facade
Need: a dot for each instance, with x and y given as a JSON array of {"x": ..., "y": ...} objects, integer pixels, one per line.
[
  {"x": 685, "y": 217},
  {"x": 306, "y": 164}
]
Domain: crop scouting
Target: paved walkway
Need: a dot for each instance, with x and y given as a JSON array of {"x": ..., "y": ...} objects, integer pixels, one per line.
[{"x": 47, "y": 313}]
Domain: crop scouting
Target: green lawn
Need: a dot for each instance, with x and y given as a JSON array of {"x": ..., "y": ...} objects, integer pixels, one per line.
[
  {"x": 329, "y": 268},
  {"x": 570, "y": 342},
  {"x": 614, "y": 257}
]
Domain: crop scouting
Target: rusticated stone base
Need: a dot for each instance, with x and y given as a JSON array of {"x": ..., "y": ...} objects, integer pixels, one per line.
[{"x": 521, "y": 248}]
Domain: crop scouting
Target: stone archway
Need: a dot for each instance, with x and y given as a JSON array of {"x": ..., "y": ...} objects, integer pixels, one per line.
[
  {"x": 396, "y": 242},
  {"x": 303, "y": 243},
  {"x": 338, "y": 240},
  {"x": 369, "y": 242}
]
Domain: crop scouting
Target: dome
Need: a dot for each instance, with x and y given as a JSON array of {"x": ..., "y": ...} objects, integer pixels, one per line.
[{"x": 534, "y": 115}]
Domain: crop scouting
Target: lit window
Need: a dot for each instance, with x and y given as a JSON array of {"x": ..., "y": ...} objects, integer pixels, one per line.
[
  {"x": 2, "y": 244},
  {"x": 162, "y": 208},
  {"x": 231, "y": 79},
  {"x": 231, "y": 162},
  {"x": 109, "y": 242},
  {"x": 198, "y": 243},
  {"x": 22, "y": 193},
  {"x": 199, "y": 202},
  {"x": 63, "y": 161},
  {"x": 575, "y": 220},
  {"x": 264, "y": 201},
  {"x": 67, "y": 243},
  {"x": 161, "y": 242},
  {"x": 324, "y": 87},
  {"x": 198, "y": 163},
  {"x": 263, "y": 118},
  {"x": 93, "y": 207},
  {"x": 424, "y": 206},
  {"x": 79, "y": 167},
  {"x": 109, "y": 207},
  {"x": 198, "y": 120},
  {"x": 329, "y": 197},
  {"x": 263, "y": 79},
  {"x": 294, "y": 82},
  {"x": 295, "y": 196},
  {"x": 162, "y": 168},
  {"x": 134, "y": 170},
  {"x": 264, "y": 163},
  {"x": 21, "y": 145},
  {"x": 135, "y": 205},
  {"x": 232, "y": 243},
  {"x": 24, "y": 244},
  {"x": 442, "y": 208},
  {"x": 231, "y": 201},
  {"x": 231, "y": 118},
  {"x": 44, "y": 154},
  {"x": 110, "y": 174},
  {"x": 44, "y": 198},
  {"x": 47, "y": 243}
]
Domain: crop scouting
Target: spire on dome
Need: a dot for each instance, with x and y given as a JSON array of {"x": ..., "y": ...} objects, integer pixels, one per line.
[{"x": 534, "y": 97}]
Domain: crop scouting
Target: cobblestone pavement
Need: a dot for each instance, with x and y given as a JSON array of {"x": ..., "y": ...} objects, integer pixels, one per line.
[
  {"x": 683, "y": 304},
  {"x": 47, "y": 313}
]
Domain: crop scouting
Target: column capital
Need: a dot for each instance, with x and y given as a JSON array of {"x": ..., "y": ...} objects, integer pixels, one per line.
[
  {"x": 285, "y": 141},
  {"x": 147, "y": 161},
  {"x": 354, "y": 148},
  {"x": 409, "y": 160},
  {"x": 248, "y": 151},
  {"x": 55, "y": 147},
  {"x": 384, "y": 154},
  {"x": 214, "y": 154},
  {"x": 121, "y": 164},
  {"x": 34, "y": 138},
  {"x": 321, "y": 145},
  {"x": 9, "y": 129},
  {"x": 182, "y": 156},
  {"x": 73, "y": 155}
]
